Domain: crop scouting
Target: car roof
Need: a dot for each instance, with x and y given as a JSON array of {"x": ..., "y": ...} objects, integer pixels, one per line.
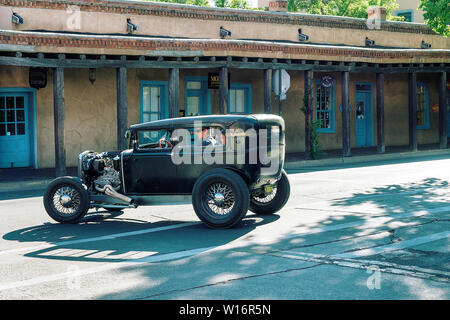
[{"x": 227, "y": 118}]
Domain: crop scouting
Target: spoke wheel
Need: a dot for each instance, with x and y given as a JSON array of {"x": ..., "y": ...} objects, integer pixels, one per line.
[
  {"x": 274, "y": 201},
  {"x": 66, "y": 200},
  {"x": 220, "y": 198}
]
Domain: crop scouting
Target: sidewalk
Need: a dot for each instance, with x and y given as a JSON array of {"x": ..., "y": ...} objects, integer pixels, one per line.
[{"x": 14, "y": 180}]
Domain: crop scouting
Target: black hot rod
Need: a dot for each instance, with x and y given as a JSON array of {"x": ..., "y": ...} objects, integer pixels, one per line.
[{"x": 228, "y": 164}]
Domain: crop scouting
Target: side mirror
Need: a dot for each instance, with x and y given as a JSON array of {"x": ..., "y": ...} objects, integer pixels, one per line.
[{"x": 127, "y": 134}]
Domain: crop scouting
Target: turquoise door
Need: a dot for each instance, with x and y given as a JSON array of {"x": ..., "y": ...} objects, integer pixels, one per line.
[
  {"x": 363, "y": 115},
  {"x": 15, "y": 133},
  {"x": 197, "y": 96}
]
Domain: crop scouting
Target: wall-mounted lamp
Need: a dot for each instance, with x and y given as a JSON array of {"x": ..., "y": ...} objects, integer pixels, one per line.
[
  {"x": 425, "y": 45},
  {"x": 131, "y": 26},
  {"x": 369, "y": 42},
  {"x": 301, "y": 36},
  {"x": 224, "y": 33},
  {"x": 16, "y": 19},
  {"x": 92, "y": 75}
]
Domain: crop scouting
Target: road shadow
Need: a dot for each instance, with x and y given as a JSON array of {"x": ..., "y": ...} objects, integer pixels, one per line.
[{"x": 102, "y": 237}]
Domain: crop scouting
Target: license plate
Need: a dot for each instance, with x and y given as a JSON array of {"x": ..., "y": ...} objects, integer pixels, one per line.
[{"x": 268, "y": 189}]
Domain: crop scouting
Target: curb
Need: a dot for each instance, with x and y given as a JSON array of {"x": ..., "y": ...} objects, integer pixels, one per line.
[
  {"x": 299, "y": 164},
  {"x": 15, "y": 186}
]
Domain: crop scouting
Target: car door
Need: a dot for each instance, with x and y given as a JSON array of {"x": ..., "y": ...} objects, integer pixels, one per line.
[{"x": 148, "y": 168}]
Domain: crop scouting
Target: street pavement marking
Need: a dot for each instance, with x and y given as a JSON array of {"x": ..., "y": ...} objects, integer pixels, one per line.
[
  {"x": 104, "y": 267},
  {"x": 100, "y": 238}
]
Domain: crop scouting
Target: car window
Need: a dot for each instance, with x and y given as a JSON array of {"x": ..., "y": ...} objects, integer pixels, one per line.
[
  {"x": 207, "y": 135},
  {"x": 153, "y": 139}
]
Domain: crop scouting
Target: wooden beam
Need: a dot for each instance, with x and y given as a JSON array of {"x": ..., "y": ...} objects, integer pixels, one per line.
[
  {"x": 161, "y": 63},
  {"x": 174, "y": 93},
  {"x": 412, "y": 110},
  {"x": 58, "y": 103},
  {"x": 345, "y": 115},
  {"x": 381, "y": 146},
  {"x": 268, "y": 91},
  {"x": 443, "y": 129},
  {"x": 308, "y": 104},
  {"x": 122, "y": 109},
  {"x": 223, "y": 90}
]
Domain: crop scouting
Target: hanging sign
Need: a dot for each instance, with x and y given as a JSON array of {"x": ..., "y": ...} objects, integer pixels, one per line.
[{"x": 327, "y": 81}]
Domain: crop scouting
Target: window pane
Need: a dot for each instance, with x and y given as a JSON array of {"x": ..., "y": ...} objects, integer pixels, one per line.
[
  {"x": 21, "y": 128},
  {"x": 10, "y": 102},
  {"x": 194, "y": 85},
  {"x": 2, "y": 115},
  {"x": 240, "y": 101},
  {"x": 20, "y": 115},
  {"x": 11, "y": 129},
  {"x": 420, "y": 118},
  {"x": 2, "y": 129},
  {"x": 154, "y": 99},
  {"x": 2, "y": 103},
  {"x": 19, "y": 102},
  {"x": 193, "y": 104},
  {"x": 232, "y": 100},
  {"x": 145, "y": 99},
  {"x": 10, "y": 115},
  {"x": 323, "y": 106}
]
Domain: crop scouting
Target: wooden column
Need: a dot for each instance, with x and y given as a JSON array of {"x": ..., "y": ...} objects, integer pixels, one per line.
[
  {"x": 58, "y": 102},
  {"x": 346, "y": 152},
  {"x": 223, "y": 90},
  {"x": 268, "y": 91},
  {"x": 443, "y": 129},
  {"x": 122, "y": 109},
  {"x": 412, "y": 110},
  {"x": 380, "y": 113},
  {"x": 174, "y": 93},
  {"x": 308, "y": 102}
]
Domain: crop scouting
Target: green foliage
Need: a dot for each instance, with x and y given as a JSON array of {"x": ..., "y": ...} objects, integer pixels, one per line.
[
  {"x": 437, "y": 15},
  {"x": 348, "y": 8},
  {"x": 237, "y": 4},
  {"x": 202, "y": 3},
  {"x": 316, "y": 145}
]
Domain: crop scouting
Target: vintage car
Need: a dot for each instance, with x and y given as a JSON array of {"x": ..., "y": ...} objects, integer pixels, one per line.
[{"x": 225, "y": 164}]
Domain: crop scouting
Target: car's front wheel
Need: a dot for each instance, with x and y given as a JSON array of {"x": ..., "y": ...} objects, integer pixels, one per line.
[
  {"x": 274, "y": 201},
  {"x": 66, "y": 200},
  {"x": 220, "y": 198}
]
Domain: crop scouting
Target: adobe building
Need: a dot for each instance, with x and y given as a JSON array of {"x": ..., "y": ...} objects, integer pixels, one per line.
[{"x": 75, "y": 74}]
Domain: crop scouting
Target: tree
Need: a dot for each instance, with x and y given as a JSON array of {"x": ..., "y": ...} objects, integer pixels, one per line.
[
  {"x": 348, "y": 8},
  {"x": 237, "y": 4},
  {"x": 437, "y": 15}
]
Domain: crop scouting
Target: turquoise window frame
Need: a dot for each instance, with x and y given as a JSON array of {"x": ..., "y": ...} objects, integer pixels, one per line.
[
  {"x": 248, "y": 96},
  {"x": 164, "y": 97},
  {"x": 426, "y": 125},
  {"x": 400, "y": 12},
  {"x": 206, "y": 108},
  {"x": 332, "y": 128}
]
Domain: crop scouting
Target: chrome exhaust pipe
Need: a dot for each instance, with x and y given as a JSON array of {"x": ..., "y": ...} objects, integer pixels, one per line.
[{"x": 109, "y": 190}]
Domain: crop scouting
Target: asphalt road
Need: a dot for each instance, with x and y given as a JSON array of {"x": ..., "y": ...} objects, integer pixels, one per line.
[{"x": 353, "y": 232}]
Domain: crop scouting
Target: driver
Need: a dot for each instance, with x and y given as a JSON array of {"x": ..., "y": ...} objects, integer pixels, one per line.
[{"x": 203, "y": 137}]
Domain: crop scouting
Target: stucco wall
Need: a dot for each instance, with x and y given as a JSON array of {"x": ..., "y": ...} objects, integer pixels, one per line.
[{"x": 91, "y": 108}]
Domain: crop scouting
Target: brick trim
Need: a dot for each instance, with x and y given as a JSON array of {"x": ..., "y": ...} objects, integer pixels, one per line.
[
  {"x": 206, "y": 13},
  {"x": 226, "y": 46}
]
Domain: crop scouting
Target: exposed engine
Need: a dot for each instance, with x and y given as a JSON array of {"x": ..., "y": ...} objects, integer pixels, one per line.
[
  {"x": 101, "y": 173},
  {"x": 100, "y": 169}
]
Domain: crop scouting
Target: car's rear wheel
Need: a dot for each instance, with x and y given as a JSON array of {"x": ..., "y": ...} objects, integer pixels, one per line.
[
  {"x": 220, "y": 198},
  {"x": 66, "y": 200},
  {"x": 274, "y": 201}
]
